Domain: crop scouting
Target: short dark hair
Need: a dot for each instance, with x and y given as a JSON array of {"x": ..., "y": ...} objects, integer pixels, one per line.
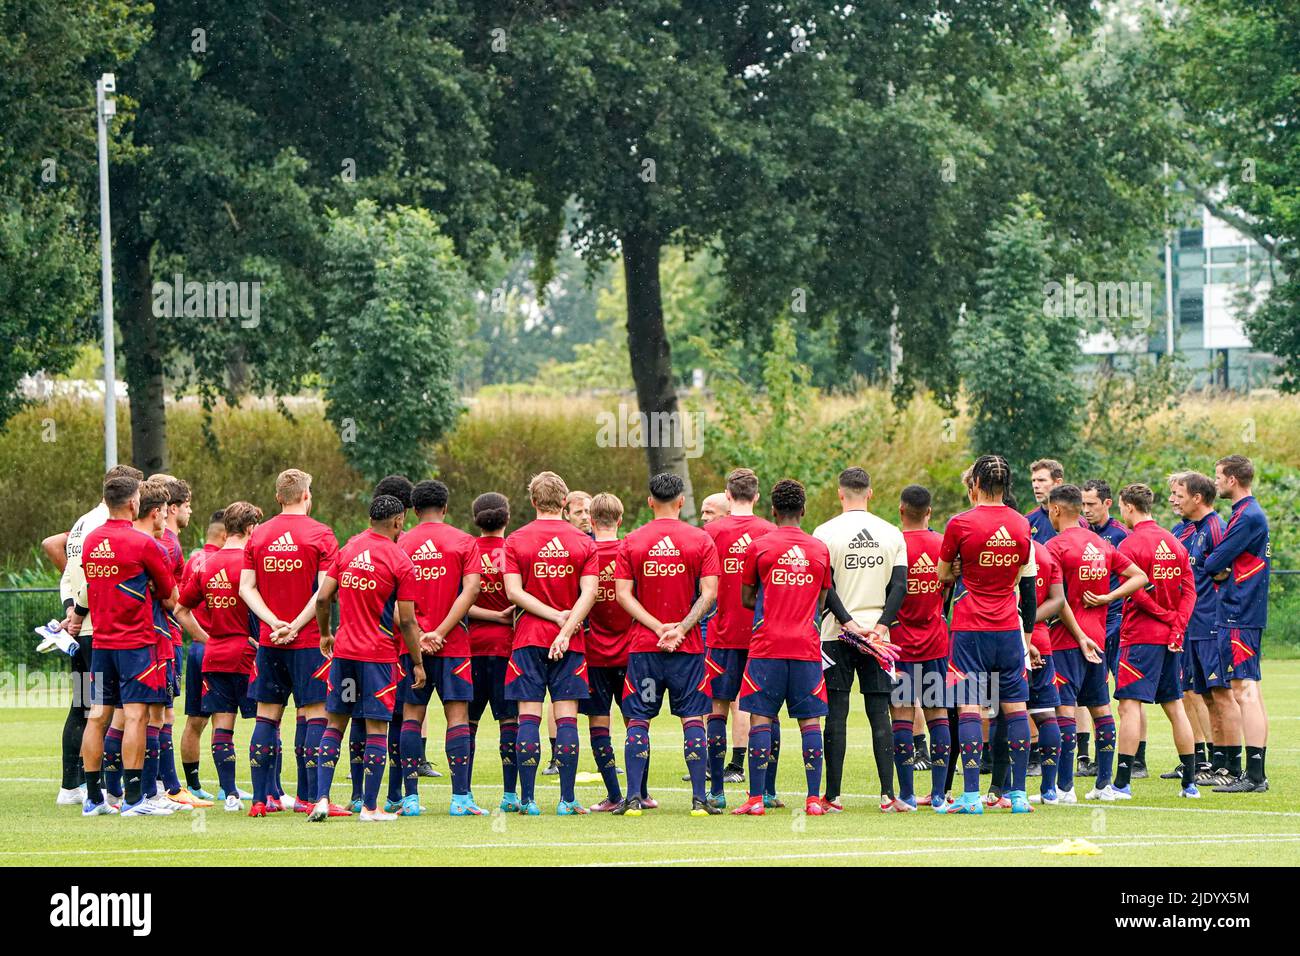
[
  {"x": 855, "y": 479},
  {"x": 430, "y": 493},
  {"x": 124, "y": 471},
  {"x": 666, "y": 487},
  {"x": 788, "y": 497},
  {"x": 218, "y": 517},
  {"x": 385, "y": 506},
  {"x": 398, "y": 486},
  {"x": 991, "y": 474},
  {"x": 491, "y": 511},
  {"x": 1138, "y": 496},
  {"x": 1239, "y": 467},
  {"x": 742, "y": 484},
  {"x": 1100, "y": 486},
  {"x": 915, "y": 501},
  {"x": 1198, "y": 485},
  {"x": 178, "y": 491},
  {"x": 119, "y": 489},
  {"x": 1070, "y": 496}
]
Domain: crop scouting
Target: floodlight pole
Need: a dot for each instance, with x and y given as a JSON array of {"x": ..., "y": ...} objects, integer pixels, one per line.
[{"x": 104, "y": 108}]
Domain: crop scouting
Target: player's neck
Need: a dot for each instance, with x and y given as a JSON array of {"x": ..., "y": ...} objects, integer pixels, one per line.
[
  {"x": 671, "y": 513},
  {"x": 742, "y": 509},
  {"x": 911, "y": 526},
  {"x": 606, "y": 534},
  {"x": 432, "y": 517},
  {"x": 499, "y": 533},
  {"x": 298, "y": 509},
  {"x": 121, "y": 514},
  {"x": 1198, "y": 513},
  {"x": 235, "y": 542},
  {"x": 173, "y": 526},
  {"x": 550, "y": 516},
  {"x": 849, "y": 504},
  {"x": 1238, "y": 494},
  {"x": 786, "y": 521}
]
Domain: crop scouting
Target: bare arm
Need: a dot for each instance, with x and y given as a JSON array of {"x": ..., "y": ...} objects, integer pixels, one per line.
[
  {"x": 56, "y": 549},
  {"x": 1052, "y": 606},
  {"x": 248, "y": 593},
  {"x": 411, "y": 638},
  {"x": 628, "y": 601},
  {"x": 526, "y": 602},
  {"x": 324, "y": 599},
  {"x": 190, "y": 624},
  {"x": 469, "y": 585}
]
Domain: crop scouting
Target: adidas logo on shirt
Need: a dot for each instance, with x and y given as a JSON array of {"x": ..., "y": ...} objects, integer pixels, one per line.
[
  {"x": 795, "y": 557},
  {"x": 741, "y": 544},
  {"x": 922, "y": 565},
  {"x": 607, "y": 572},
  {"x": 283, "y": 543},
  {"x": 1164, "y": 551},
  {"x": 863, "y": 539},
  {"x": 220, "y": 580},
  {"x": 427, "y": 552},
  {"x": 1001, "y": 539},
  {"x": 1092, "y": 553},
  {"x": 102, "y": 550},
  {"x": 362, "y": 562},
  {"x": 1165, "y": 573},
  {"x": 486, "y": 564},
  {"x": 664, "y": 548},
  {"x": 553, "y": 549}
]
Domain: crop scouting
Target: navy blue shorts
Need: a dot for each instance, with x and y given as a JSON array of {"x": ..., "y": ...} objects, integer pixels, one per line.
[
  {"x": 977, "y": 655},
  {"x": 1151, "y": 673},
  {"x": 606, "y": 685},
  {"x": 175, "y": 667},
  {"x": 1242, "y": 646},
  {"x": 1204, "y": 667},
  {"x": 489, "y": 674},
  {"x": 1084, "y": 683},
  {"x": 770, "y": 682},
  {"x": 194, "y": 680},
  {"x": 118, "y": 677},
  {"x": 362, "y": 689},
  {"x": 225, "y": 693},
  {"x": 451, "y": 677},
  {"x": 922, "y": 682},
  {"x": 531, "y": 675},
  {"x": 281, "y": 671},
  {"x": 723, "y": 669},
  {"x": 652, "y": 674},
  {"x": 1043, "y": 686},
  {"x": 1112, "y": 650}
]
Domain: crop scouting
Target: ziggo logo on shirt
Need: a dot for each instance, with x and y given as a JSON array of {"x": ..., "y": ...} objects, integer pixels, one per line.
[{"x": 356, "y": 582}]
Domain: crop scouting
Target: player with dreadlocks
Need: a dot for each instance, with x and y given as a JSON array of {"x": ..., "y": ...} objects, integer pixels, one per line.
[{"x": 992, "y": 625}]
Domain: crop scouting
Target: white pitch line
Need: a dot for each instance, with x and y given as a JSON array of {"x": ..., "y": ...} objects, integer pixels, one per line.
[
  {"x": 616, "y": 844},
  {"x": 927, "y": 851}
]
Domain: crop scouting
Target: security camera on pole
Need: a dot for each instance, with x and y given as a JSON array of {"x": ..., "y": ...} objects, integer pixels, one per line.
[{"x": 104, "y": 108}]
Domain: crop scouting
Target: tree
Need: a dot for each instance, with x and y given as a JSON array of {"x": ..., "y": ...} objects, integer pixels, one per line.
[
  {"x": 395, "y": 292},
  {"x": 1233, "y": 68},
  {"x": 1015, "y": 352},
  {"x": 251, "y": 121},
  {"x": 50, "y": 56}
]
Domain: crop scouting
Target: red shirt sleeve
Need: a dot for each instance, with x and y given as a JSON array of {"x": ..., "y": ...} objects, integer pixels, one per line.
[
  {"x": 191, "y": 592},
  {"x": 710, "y": 566},
  {"x": 623, "y": 563},
  {"x": 405, "y": 573},
  {"x": 328, "y": 546},
  {"x": 155, "y": 565},
  {"x": 511, "y": 563},
  {"x": 948, "y": 548},
  {"x": 591, "y": 563},
  {"x": 749, "y": 570}
]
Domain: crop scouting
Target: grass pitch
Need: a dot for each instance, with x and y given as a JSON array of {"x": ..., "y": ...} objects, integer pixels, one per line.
[{"x": 1156, "y": 829}]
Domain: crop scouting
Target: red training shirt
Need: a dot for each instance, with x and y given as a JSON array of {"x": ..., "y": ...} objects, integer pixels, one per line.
[
  {"x": 485, "y": 638},
  {"x": 550, "y": 556},
  {"x": 791, "y": 569},
  {"x": 442, "y": 555},
  {"x": 732, "y": 535},
  {"x": 373, "y": 575},
  {"x": 665, "y": 559},
  {"x": 1087, "y": 561},
  {"x": 286, "y": 553},
  {"x": 993, "y": 542},
  {"x": 214, "y": 588},
  {"x": 921, "y": 632},
  {"x": 609, "y": 629},
  {"x": 120, "y": 564}
]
